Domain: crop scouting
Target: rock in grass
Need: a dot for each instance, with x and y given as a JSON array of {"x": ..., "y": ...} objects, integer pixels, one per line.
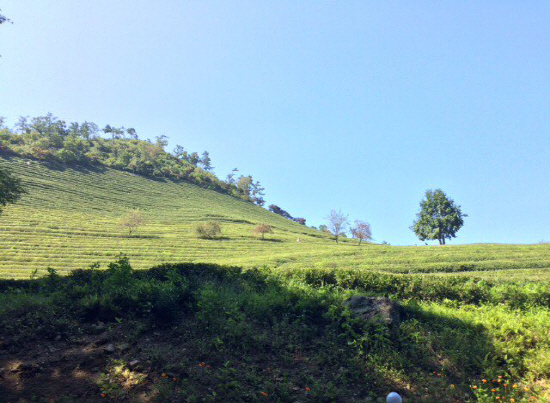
[
  {"x": 375, "y": 308},
  {"x": 109, "y": 349}
]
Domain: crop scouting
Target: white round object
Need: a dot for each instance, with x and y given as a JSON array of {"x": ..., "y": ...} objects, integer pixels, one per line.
[{"x": 394, "y": 397}]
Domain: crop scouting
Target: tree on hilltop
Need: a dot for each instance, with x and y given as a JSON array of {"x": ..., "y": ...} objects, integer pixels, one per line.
[
  {"x": 361, "y": 230},
  {"x": 206, "y": 161},
  {"x": 439, "y": 217},
  {"x": 244, "y": 184},
  {"x": 257, "y": 193},
  {"x": 230, "y": 178},
  {"x": 10, "y": 188},
  {"x": 277, "y": 210},
  {"x": 337, "y": 223}
]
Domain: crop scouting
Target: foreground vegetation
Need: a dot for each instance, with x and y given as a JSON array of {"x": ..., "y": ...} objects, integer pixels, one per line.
[{"x": 211, "y": 333}]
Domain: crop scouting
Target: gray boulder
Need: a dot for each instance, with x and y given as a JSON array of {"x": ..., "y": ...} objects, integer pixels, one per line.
[{"x": 376, "y": 308}]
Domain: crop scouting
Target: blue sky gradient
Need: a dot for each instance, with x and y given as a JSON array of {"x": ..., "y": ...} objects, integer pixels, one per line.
[{"x": 355, "y": 105}]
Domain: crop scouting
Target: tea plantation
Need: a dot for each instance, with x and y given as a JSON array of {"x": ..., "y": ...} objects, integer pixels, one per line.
[{"x": 243, "y": 319}]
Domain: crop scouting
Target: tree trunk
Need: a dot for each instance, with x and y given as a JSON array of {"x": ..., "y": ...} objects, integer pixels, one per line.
[
  {"x": 443, "y": 240},
  {"x": 360, "y": 239},
  {"x": 336, "y": 238},
  {"x": 440, "y": 241}
]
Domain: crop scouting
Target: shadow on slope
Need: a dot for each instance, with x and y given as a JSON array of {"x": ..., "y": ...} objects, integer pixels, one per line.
[{"x": 197, "y": 332}]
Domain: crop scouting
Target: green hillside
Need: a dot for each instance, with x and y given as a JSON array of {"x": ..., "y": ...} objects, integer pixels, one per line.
[
  {"x": 272, "y": 326},
  {"x": 69, "y": 220}
]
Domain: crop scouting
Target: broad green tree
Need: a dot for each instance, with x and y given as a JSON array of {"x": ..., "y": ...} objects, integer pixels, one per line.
[
  {"x": 10, "y": 188},
  {"x": 439, "y": 217},
  {"x": 244, "y": 184}
]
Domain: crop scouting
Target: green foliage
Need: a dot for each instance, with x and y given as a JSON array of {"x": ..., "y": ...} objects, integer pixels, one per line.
[
  {"x": 50, "y": 139},
  {"x": 439, "y": 217},
  {"x": 10, "y": 188},
  {"x": 70, "y": 216},
  {"x": 421, "y": 288},
  {"x": 118, "y": 381},
  {"x": 208, "y": 230},
  {"x": 253, "y": 334}
]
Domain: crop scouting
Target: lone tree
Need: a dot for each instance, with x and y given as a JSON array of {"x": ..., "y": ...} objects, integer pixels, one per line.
[
  {"x": 10, "y": 188},
  {"x": 337, "y": 223},
  {"x": 361, "y": 230},
  {"x": 263, "y": 229},
  {"x": 439, "y": 217},
  {"x": 208, "y": 230},
  {"x": 132, "y": 221}
]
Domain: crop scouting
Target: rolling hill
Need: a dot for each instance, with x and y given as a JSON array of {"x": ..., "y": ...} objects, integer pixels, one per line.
[{"x": 69, "y": 220}]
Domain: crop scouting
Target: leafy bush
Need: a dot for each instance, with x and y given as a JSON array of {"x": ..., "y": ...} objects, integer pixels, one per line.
[
  {"x": 208, "y": 230},
  {"x": 286, "y": 335}
]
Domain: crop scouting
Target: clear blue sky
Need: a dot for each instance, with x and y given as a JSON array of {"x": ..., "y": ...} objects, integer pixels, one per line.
[{"x": 355, "y": 105}]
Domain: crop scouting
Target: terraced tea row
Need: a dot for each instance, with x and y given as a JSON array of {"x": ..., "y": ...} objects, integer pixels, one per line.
[{"x": 69, "y": 219}]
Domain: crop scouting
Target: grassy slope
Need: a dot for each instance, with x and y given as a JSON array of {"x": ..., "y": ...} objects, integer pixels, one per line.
[{"x": 69, "y": 219}]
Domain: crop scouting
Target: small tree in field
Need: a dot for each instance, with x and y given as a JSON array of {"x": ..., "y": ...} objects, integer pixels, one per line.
[
  {"x": 337, "y": 223},
  {"x": 132, "y": 221},
  {"x": 208, "y": 230},
  {"x": 263, "y": 229},
  {"x": 361, "y": 230}
]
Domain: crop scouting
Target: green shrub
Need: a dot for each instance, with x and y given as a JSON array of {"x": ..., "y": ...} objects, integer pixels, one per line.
[{"x": 208, "y": 230}]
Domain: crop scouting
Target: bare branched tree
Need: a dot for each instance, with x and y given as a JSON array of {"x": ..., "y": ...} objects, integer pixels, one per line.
[
  {"x": 337, "y": 223},
  {"x": 361, "y": 230},
  {"x": 132, "y": 221}
]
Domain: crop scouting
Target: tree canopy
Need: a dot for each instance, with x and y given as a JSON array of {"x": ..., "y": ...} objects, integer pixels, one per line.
[
  {"x": 439, "y": 217},
  {"x": 10, "y": 188},
  {"x": 48, "y": 138}
]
